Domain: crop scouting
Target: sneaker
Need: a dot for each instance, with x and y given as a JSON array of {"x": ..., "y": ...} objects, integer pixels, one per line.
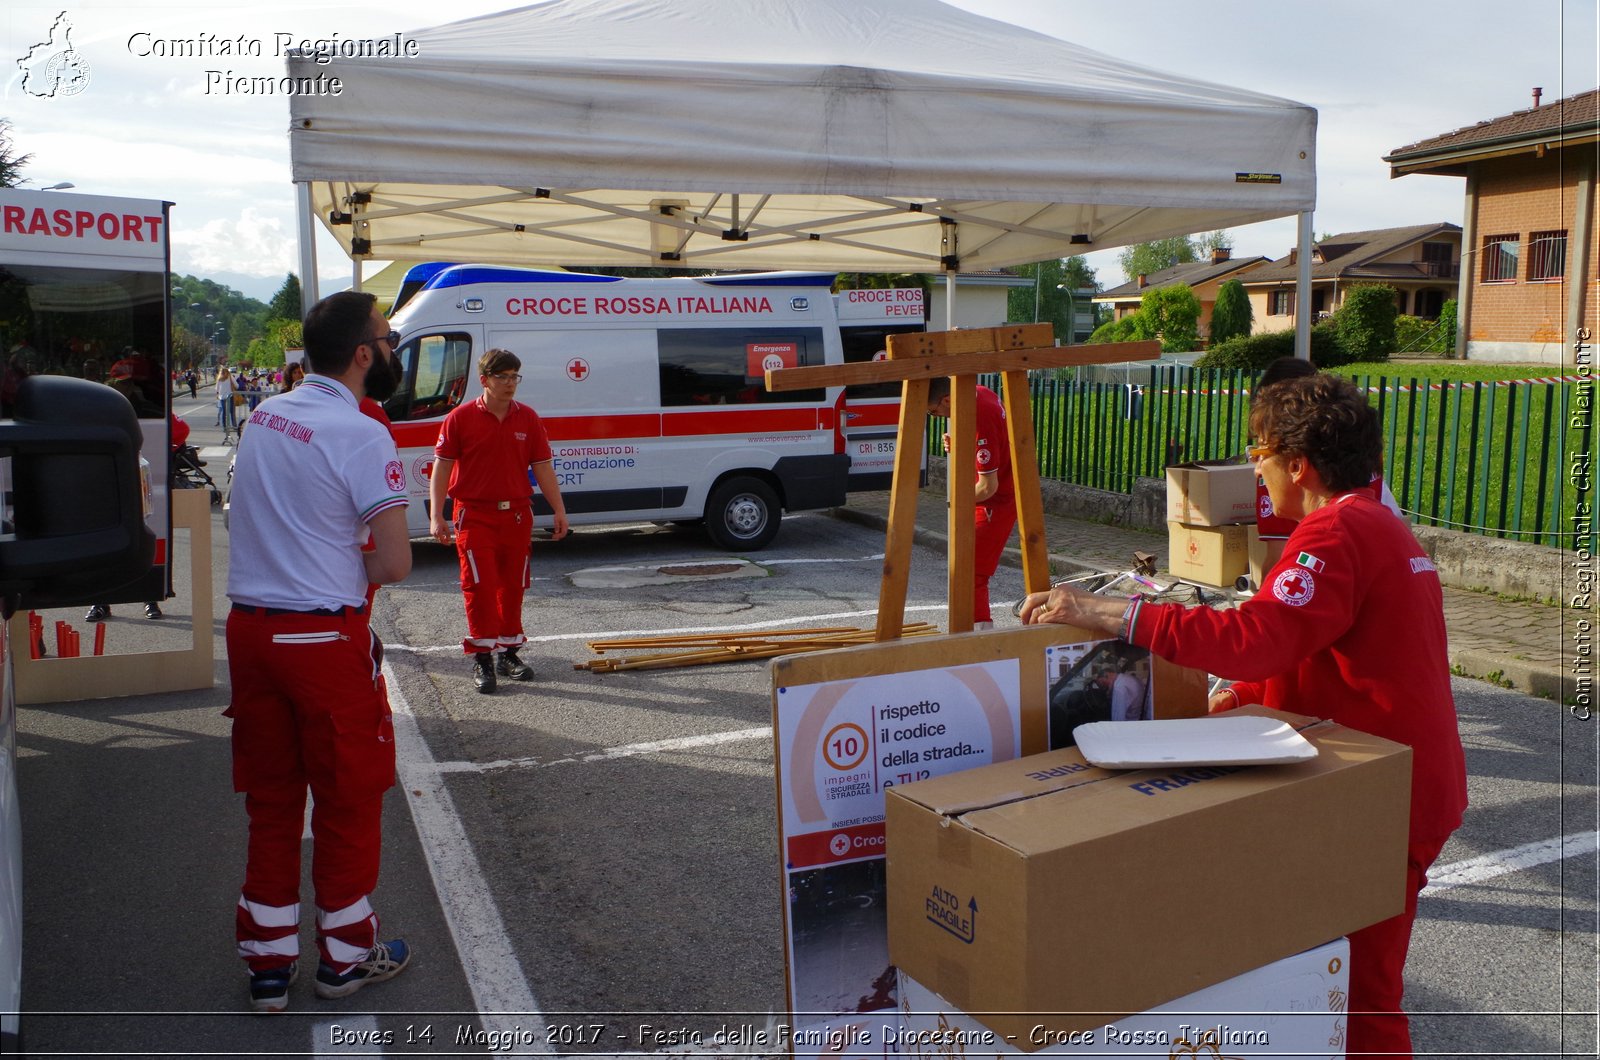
[
  {"x": 152, "y": 610},
  {"x": 384, "y": 961},
  {"x": 98, "y": 613},
  {"x": 269, "y": 990},
  {"x": 483, "y": 671},
  {"x": 508, "y": 665}
]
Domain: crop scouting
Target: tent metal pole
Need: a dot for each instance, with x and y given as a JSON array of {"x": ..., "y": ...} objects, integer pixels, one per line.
[
  {"x": 949, "y": 301},
  {"x": 1302, "y": 292},
  {"x": 308, "y": 246}
]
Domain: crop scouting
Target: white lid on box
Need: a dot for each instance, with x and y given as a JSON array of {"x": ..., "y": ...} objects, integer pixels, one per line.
[{"x": 1242, "y": 741}]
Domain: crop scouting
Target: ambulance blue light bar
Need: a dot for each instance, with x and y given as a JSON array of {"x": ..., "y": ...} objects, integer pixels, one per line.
[{"x": 462, "y": 275}]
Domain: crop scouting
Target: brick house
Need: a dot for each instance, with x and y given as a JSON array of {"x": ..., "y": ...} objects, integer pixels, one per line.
[
  {"x": 1529, "y": 226},
  {"x": 1204, "y": 277},
  {"x": 1420, "y": 262}
]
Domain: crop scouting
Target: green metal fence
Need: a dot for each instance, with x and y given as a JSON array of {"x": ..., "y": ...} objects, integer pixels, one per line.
[{"x": 1503, "y": 459}]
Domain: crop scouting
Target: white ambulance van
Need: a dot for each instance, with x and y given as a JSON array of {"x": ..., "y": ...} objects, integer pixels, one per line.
[{"x": 651, "y": 390}]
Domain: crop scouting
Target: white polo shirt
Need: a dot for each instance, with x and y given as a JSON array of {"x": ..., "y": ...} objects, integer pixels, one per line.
[{"x": 312, "y": 470}]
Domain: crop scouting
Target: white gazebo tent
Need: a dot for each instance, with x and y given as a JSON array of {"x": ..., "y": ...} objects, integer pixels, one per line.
[{"x": 859, "y": 135}]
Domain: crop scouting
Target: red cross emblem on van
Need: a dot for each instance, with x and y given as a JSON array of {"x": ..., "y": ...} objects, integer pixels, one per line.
[{"x": 578, "y": 369}]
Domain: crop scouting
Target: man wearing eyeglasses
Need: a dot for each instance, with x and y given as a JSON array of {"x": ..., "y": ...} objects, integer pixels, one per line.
[
  {"x": 485, "y": 450},
  {"x": 314, "y": 479}
]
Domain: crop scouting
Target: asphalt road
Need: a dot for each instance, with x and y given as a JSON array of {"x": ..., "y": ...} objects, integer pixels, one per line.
[{"x": 599, "y": 851}]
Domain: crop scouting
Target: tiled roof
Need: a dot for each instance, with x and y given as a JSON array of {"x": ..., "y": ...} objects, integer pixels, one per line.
[
  {"x": 1575, "y": 114},
  {"x": 1348, "y": 253},
  {"x": 1193, "y": 273}
]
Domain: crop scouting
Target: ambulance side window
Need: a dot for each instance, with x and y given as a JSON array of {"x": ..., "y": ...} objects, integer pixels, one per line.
[
  {"x": 725, "y": 366},
  {"x": 863, "y": 344},
  {"x": 436, "y": 368}
]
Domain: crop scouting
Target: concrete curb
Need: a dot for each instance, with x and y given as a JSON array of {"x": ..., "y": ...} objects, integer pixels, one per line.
[{"x": 1508, "y": 671}]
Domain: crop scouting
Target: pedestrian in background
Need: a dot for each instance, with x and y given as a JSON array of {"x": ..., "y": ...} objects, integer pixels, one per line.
[
  {"x": 485, "y": 450},
  {"x": 995, "y": 513},
  {"x": 225, "y": 417},
  {"x": 309, "y": 705}
]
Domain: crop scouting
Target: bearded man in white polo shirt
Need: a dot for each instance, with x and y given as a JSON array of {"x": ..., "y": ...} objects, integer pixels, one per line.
[{"x": 314, "y": 480}]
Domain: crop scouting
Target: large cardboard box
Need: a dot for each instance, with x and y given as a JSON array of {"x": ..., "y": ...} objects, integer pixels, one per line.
[
  {"x": 1048, "y": 891},
  {"x": 1211, "y": 555},
  {"x": 1211, "y": 493},
  {"x": 1295, "y": 1007},
  {"x": 1264, "y": 554}
]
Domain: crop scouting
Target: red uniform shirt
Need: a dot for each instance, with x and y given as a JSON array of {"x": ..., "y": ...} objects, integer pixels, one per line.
[
  {"x": 994, "y": 446},
  {"x": 499, "y": 452},
  {"x": 1348, "y": 626}
]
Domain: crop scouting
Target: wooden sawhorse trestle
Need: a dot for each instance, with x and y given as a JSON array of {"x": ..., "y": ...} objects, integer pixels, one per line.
[{"x": 913, "y": 360}]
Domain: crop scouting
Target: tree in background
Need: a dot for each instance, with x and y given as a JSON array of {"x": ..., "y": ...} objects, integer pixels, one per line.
[
  {"x": 1171, "y": 314},
  {"x": 11, "y": 163},
  {"x": 1232, "y": 314},
  {"x": 200, "y": 305},
  {"x": 1366, "y": 321},
  {"x": 1142, "y": 259},
  {"x": 1207, "y": 242},
  {"x": 188, "y": 349},
  {"x": 1045, "y": 302},
  {"x": 285, "y": 305}
]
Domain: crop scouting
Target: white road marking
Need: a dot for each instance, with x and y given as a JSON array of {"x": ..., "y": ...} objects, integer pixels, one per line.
[
  {"x": 355, "y": 1036},
  {"x": 1499, "y": 863},
  {"x": 651, "y": 747},
  {"x": 799, "y": 623},
  {"x": 500, "y": 991}
]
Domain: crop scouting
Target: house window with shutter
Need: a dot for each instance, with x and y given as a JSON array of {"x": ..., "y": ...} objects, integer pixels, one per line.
[
  {"x": 1280, "y": 303},
  {"x": 1500, "y": 258},
  {"x": 1547, "y": 255}
]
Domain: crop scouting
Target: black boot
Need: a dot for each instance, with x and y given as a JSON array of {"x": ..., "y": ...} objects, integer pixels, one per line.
[
  {"x": 508, "y": 665},
  {"x": 483, "y": 671}
]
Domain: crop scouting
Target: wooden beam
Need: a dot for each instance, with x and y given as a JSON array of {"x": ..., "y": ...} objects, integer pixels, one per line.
[
  {"x": 953, "y": 364},
  {"x": 962, "y": 474},
  {"x": 902, "y": 508},
  {"x": 970, "y": 340},
  {"x": 1025, "y": 483}
]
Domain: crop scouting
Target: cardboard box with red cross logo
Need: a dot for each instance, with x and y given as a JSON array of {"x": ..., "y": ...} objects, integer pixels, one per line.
[{"x": 1210, "y": 555}]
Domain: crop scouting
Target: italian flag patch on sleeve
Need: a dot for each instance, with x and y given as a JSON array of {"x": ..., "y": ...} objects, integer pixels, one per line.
[{"x": 1310, "y": 562}]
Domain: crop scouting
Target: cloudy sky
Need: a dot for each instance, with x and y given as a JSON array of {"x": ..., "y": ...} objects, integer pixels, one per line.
[{"x": 1381, "y": 73}]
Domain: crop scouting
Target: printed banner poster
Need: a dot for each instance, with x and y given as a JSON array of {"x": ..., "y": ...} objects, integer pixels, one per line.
[{"x": 840, "y": 744}]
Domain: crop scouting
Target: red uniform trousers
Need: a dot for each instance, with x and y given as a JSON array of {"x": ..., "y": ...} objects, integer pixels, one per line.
[
  {"x": 493, "y": 544},
  {"x": 1378, "y": 1027},
  {"x": 992, "y": 526},
  {"x": 309, "y": 707}
]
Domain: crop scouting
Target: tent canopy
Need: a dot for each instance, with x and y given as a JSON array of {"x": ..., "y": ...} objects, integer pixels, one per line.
[{"x": 861, "y": 135}]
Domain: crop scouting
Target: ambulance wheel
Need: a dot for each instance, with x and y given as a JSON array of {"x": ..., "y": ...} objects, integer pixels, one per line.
[{"x": 742, "y": 513}]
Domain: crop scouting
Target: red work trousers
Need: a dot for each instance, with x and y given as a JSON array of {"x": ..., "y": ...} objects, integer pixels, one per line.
[
  {"x": 309, "y": 708},
  {"x": 493, "y": 544},
  {"x": 1378, "y": 1027},
  {"x": 992, "y": 526}
]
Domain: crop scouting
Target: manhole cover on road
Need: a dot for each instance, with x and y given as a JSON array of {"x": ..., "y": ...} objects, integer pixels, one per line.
[
  {"x": 665, "y": 574},
  {"x": 690, "y": 570}
]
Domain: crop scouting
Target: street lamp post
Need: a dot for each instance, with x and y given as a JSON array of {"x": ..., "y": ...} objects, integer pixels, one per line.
[{"x": 1072, "y": 313}]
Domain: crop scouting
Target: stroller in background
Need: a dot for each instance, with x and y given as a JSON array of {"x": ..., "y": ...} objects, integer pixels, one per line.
[{"x": 189, "y": 472}]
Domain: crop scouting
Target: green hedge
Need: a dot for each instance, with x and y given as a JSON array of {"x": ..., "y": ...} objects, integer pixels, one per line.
[
  {"x": 1255, "y": 352},
  {"x": 1366, "y": 321}
]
